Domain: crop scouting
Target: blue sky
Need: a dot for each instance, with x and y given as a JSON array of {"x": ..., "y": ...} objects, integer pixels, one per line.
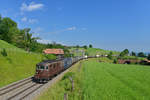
[{"x": 107, "y": 24}]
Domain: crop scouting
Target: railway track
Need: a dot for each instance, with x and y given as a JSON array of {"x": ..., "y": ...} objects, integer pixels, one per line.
[
  {"x": 19, "y": 90},
  {"x": 26, "y": 89}
]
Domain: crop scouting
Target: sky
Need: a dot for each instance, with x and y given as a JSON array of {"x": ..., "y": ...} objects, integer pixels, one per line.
[{"x": 106, "y": 24}]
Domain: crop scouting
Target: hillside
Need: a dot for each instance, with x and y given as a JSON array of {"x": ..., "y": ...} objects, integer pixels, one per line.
[
  {"x": 17, "y": 65},
  {"x": 92, "y": 51},
  {"x": 106, "y": 81}
]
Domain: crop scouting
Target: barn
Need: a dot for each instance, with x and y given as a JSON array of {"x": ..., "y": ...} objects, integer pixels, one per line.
[{"x": 58, "y": 52}]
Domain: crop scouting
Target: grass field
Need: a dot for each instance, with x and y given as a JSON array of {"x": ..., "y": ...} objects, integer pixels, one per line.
[
  {"x": 19, "y": 64},
  {"x": 103, "y": 81}
]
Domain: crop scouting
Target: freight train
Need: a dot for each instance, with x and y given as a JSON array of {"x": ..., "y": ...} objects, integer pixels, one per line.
[{"x": 47, "y": 69}]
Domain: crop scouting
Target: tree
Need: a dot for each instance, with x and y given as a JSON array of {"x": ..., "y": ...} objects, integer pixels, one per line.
[
  {"x": 148, "y": 57},
  {"x": 110, "y": 55},
  {"x": 133, "y": 53},
  {"x": 77, "y": 46},
  {"x": 0, "y": 18},
  {"x": 124, "y": 53},
  {"x": 8, "y": 29},
  {"x": 28, "y": 39},
  {"x": 115, "y": 61},
  {"x": 85, "y": 47},
  {"x": 90, "y": 46},
  {"x": 141, "y": 54},
  {"x": 49, "y": 45}
]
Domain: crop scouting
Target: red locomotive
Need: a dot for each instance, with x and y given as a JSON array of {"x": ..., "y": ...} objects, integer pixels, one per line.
[{"x": 48, "y": 69}]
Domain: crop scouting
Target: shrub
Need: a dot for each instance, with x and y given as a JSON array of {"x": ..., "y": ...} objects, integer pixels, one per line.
[
  {"x": 141, "y": 54},
  {"x": 110, "y": 55},
  {"x": 4, "y": 53},
  {"x": 90, "y": 46},
  {"x": 49, "y": 57},
  {"x": 115, "y": 61},
  {"x": 124, "y": 53},
  {"x": 148, "y": 57},
  {"x": 67, "y": 75}
]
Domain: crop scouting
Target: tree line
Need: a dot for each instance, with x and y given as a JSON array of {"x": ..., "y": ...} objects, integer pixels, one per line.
[{"x": 126, "y": 53}]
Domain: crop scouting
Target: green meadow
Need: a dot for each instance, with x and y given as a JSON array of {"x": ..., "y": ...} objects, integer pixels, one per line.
[
  {"x": 17, "y": 65},
  {"x": 103, "y": 81}
]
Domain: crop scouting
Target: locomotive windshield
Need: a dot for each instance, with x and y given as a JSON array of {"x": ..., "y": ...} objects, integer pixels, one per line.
[{"x": 42, "y": 67}]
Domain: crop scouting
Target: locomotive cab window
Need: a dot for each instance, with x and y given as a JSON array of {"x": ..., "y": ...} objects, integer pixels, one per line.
[
  {"x": 46, "y": 67},
  {"x": 42, "y": 67}
]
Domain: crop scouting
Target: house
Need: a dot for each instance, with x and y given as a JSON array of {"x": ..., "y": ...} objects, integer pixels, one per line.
[
  {"x": 58, "y": 52},
  {"x": 145, "y": 62},
  {"x": 128, "y": 61}
]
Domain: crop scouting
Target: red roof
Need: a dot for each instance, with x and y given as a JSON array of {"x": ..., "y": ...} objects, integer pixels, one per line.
[{"x": 53, "y": 51}]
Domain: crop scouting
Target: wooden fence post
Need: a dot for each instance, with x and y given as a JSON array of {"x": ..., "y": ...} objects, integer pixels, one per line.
[{"x": 65, "y": 96}]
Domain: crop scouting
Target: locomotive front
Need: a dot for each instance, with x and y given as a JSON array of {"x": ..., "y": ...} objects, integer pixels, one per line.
[{"x": 41, "y": 74}]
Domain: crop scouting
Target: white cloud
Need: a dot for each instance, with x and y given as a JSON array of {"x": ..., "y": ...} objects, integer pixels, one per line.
[
  {"x": 30, "y": 21},
  {"x": 63, "y": 30},
  {"x": 24, "y": 19},
  {"x": 50, "y": 41},
  {"x": 71, "y": 28},
  {"x": 31, "y": 7},
  {"x": 44, "y": 41}
]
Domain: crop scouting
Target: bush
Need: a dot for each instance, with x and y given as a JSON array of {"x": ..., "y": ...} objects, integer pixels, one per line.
[
  {"x": 141, "y": 54},
  {"x": 148, "y": 57},
  {"x": 90, "y": 46},
  {"x": 124, "y": 53},
  {"x": 110, "y": 55},
  {"x": 67, "y": 75},
  {"x": 85, "y": 47},
  {"x": 50, "y": 57},
  {"x": 115, "y": 61},
  {"x": 4, "y": 53}
]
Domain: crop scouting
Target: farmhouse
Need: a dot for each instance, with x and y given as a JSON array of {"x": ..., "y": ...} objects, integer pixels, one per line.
[
  {"x": 128, "y": 61},
  {"x": 58, "y": 52},
  {"x": 145, "y": 62}
]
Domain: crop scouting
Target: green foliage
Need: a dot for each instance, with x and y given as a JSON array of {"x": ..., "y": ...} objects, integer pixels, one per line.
[
  {"x": 92, "y": 51},
  {"x": 131, "y": 58},
  {"x": 86, "y": 53},
  {"x": 90, "y": 46},
  {"x": 85, "y": 47},
  {"x": 4, "y": 53},
  {"x": 124, "y": 53},
  {"x": 77, "y": 46},
  {"x": 67, "y": 75},
  {"x": 141, "y": 54},
  {"x": 106, "y": 60},
  {"x": 8, "y": 29},
  {"x": 49, "y": 56},
  {"x": 133, "y": 53},
  {"x": 148, "y": 57},
  {"x": 110, "y": 55},
  {"x": 115, "y": 61},
  {"x": 10, "y": 32}
]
